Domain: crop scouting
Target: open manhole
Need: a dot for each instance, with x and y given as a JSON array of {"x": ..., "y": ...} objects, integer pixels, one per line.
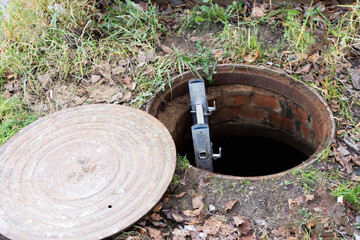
[{"x": 266, "y": 122}]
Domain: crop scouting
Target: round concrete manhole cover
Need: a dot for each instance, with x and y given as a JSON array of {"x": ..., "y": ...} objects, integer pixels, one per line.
[{"x": 83, "y": 173}]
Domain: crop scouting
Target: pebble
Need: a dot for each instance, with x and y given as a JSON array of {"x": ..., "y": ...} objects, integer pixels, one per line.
[{"x": 212, "y": 208}]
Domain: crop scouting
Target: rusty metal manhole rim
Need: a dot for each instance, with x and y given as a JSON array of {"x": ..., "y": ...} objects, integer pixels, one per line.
[{"x": 232, "y": 67}]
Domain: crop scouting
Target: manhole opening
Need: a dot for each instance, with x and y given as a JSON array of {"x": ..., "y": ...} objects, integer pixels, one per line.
[
  {"x": 250, "y": 155},
  {"x": 266, "y": 123}
]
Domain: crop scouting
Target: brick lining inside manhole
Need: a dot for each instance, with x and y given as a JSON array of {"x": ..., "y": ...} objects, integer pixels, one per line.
[{"x": 253, "y": 106}]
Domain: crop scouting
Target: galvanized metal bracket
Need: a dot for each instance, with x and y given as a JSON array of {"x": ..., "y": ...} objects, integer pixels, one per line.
[{"x": 200, "y": 130}]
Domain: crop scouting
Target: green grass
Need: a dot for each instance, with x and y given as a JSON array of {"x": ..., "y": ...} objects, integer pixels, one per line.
[
  {"x": 310, "y": 178},
  {"x": 182, "y": 163},
  {"x": 350, "y": 192},
  {"x": 13, "y": 117},
  {"x": 206, "y": 15}
]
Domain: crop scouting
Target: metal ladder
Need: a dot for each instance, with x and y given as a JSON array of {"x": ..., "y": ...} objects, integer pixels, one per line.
[{"x": 200, "y": 111}]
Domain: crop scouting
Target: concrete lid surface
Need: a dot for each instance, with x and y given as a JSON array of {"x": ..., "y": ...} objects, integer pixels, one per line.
[{"x": 83, "y": 173}]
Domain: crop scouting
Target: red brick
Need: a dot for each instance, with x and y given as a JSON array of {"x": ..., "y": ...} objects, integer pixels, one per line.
[
  {"x": 299, "y": 114},
  {"x": 237, "y": 101},
  {"x": 287, "y": 124},
  {"x": 267, "y": 101},
  {"x": 275, "y": 119},
  {"x": 316, "y": 130},
  {"x": 305, "y": 132},
  {"x": 225, "y": 114},
  {"x": 251, "y": 112}
]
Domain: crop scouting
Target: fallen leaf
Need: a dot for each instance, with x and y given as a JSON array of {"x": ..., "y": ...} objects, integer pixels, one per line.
[
  {"x": 343, "y": 150},
  {"x": 212, "y": 227},
  {"x": 176, "y": 215},
  {"x": 104, "y": 69},
  {"x": 301, "y": 56},
  {"x": 45, "y": 80},
  {"x": 6, "y": 94},
  {"x": 245, "y": 227},
  {"x": 12, "y": 86},
  {"x": 159, "y": 224},
  {"x": 355, "y": 78},
  {"x": 180, "y": 234},
  {"x": 197, "y": 202},
  {"x": 127, "y": 97},
  {"x": 318, "y": 209},
  {"x": 179, "y": 195},
  {"x": 238, "y": 220},
  {"x": 118, "y": 70},
  {"x": 229, "y": 204},
  {"x": 229, "y": 232},
  {"x": 13, "y": 75},
  {"x": 95, "y": 78},
  {"x": 204, "y": 182},
  {"x": 314, "y": 58},
  {"x": 218, "y": 53},
  {"x": 149, "y": 70},
  {"x": 355, "y": 178},
  {"x": 308, "y": 78},
  {"x": 280, "y": 232},
  {"x": 309, "y": 197},
  {"x": 256, "y": 55},
  {"x": 166, "y": 49},
  {"x": 194, "y": 39},
  {"x": 156, "y": 217},
  {"x": 154, "y": 233},
  {"x": 158, "y": 207},
  {"x": 141, "y": 59},
  {"x": 79, "y": 100},
  {"x": 249, "y": 58},
  {"x": 258, "y": 11},
  {"x": 102, "y": 93},
  {"x": 310, "y": 224},
  {"x": 306, "y": 68}
]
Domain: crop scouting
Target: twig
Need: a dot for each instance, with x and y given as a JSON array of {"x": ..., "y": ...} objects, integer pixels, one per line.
[
  {"x": 351, "y": 143},
  {"x": 341, "y": 234}
]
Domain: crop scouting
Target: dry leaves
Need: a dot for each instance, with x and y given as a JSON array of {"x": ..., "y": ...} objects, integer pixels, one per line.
[
  {"x": 95, "y": 78},
  {"x": 258, "y": 10},
  {"x": 229, "y": 204},
  {"x": 212, "y": 227},
  {"x": 176, "y": 215},
  {"x": 166, "y": 49},
  {"x": 252, "y": 57},
  {"x": 197, "y": 202},
  {"x": 154, "y": 233},
  {"x": 45, "y": 81}
]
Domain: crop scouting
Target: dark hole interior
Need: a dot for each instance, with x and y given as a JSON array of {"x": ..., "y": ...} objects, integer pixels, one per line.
[{"x": 250, "y": 155}]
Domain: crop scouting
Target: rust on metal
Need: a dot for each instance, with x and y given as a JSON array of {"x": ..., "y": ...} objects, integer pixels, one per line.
[
  {"x": 310, "y": 118},
  {"x": 83, "y": 173}
]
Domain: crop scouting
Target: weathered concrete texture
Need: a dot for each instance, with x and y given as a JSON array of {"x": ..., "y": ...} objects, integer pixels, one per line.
[{"x": 83, "y": 173}]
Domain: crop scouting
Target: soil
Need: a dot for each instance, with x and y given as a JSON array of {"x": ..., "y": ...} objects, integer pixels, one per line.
[{"x": 266, "y": 203}]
